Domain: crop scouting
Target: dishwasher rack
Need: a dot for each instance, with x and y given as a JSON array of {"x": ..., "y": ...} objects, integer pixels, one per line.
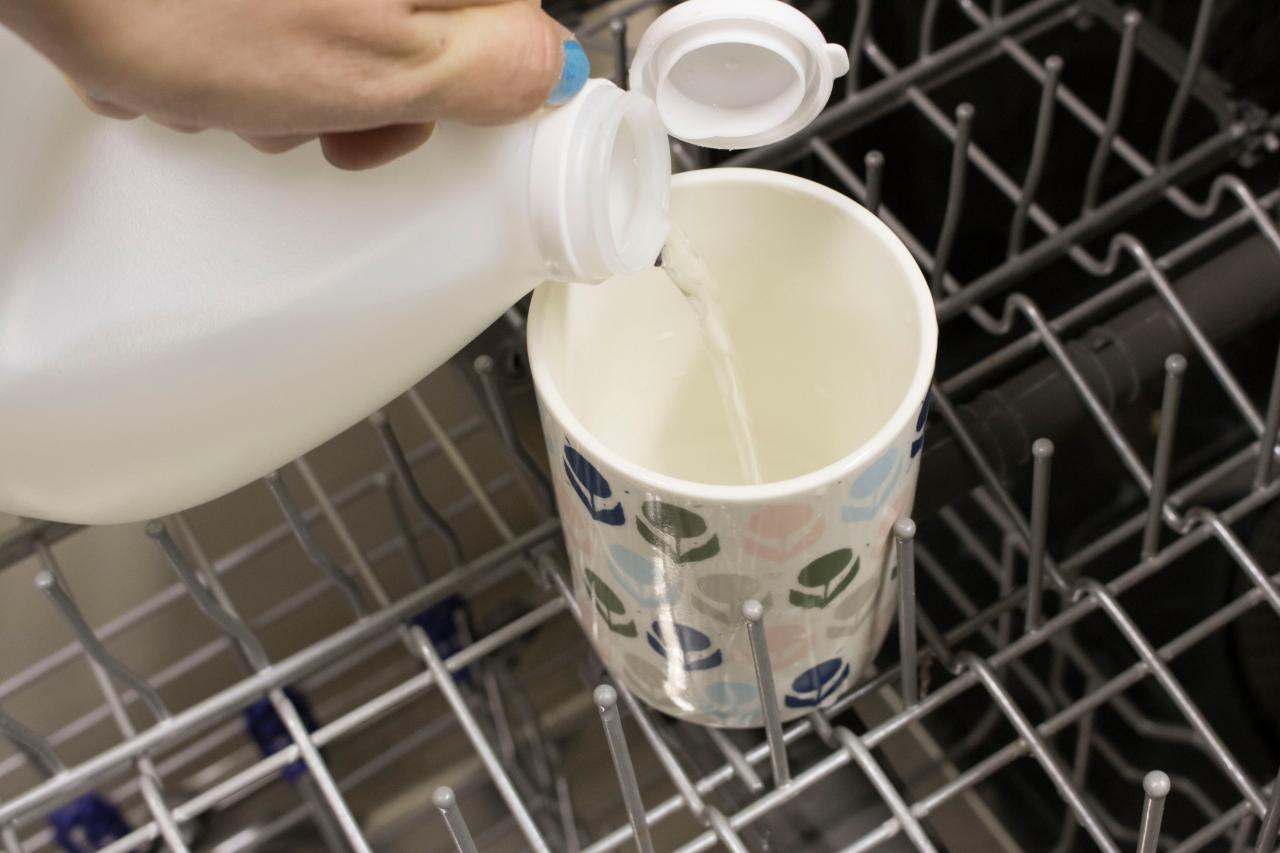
[{"x": 996, "y": 669}]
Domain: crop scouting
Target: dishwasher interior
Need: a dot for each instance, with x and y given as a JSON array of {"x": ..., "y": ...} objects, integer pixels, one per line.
[{"x": 375, "y": 648}]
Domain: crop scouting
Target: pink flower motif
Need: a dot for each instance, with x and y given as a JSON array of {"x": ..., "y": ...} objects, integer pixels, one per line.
[
  {"x": 783, "y": 532},
  {"x": 788, "y": 644}
]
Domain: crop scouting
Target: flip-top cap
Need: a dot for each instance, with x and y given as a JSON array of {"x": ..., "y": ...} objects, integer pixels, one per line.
[{"x": 736, "y": 73}]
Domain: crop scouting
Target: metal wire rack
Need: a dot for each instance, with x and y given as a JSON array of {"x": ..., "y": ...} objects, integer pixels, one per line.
[{"x": 407, "y": 577}]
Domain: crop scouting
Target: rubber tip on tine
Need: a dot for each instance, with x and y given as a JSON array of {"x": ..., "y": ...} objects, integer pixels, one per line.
[
  {"x": 155, "y": 529},
  {"x": 964, "y": 112},
  {"x": 1053, "y": 64},
  {"x": 1175, "y": 365},
  {"x": 1156, "y": 784},
  {"x": 483, "y": 364},
  {"x": 874, "y": 159},
  {"x": 904, "y": 528},
  {"x": 46, "y": 581},
  {"x": 272, "y": 477},
  {"x": 378, "y": 418},
  {"x": 444, "y": 798},
  {"x": 605, "y": 697},
  {"x": 1042, "y": 448},
  {"x": 752, "y": 610},
  {"x": 381, "y": 480},
  {"x": 1132, "y": 18}
]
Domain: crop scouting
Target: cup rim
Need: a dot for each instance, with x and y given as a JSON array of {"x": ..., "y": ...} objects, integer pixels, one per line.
[{"x": 549, "y": 393}]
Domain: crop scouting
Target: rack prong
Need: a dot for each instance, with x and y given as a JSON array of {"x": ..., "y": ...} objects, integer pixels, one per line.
[
  {"x": 1115, "y": 110},
  {"x": 1155, "y": 786},
  {"x": 417, "y": 566},
  {"x": 904, "y": 534},
  {"x": 955, "y": 197},
  {"x": 404, "y": 473},
  {"x": 1175, "y": 366},
  {"x": 501, "y": 412},
  {"x": 736, "y": 760},
  {"x": 318, "y": 556},
  {"x": 1039, "y": 152},
  {"x": 753, "y": 613},
  {"x": 618, "y": 31},
  {"x": 49, "y": 582},
  {"x": 606, "y": 699},
  {"x": 444, "y": 799},
  {"x": 1042, "y": 452},
  {"x": 1195, "y": 54},
  {"x": 928, "y": 22},
  {"x": 36, "y": 749},
  {"x": 861, "y": 26},
  {"x": 1267, "y": 443},
  {"x": 1270, "y": 828},
  {"x": 874, "y": 162}
]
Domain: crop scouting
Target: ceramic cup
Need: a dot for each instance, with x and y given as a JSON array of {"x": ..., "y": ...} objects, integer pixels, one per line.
[{"x": 834, "y": 335}]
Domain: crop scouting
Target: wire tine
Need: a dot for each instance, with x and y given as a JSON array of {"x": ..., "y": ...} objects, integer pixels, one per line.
[
  {"x": 1155, "y": 786},
  {"x": 618, "y": 30},
  {"x": 10, "y": 837},
  {"x": 857, "y": 40},
  {"x": 404, "y": 473},
  {"x": 447, "y": 803},
  {"x": 1270, "y": 829},
  {"x": 1175, "y": 366},
  {"x": 460, "y": 465},
  {"x": 1160, "y": 670},
  {"x": 224, "y": 619},
  {"x": 904, "y": 533},
  {"x": 1115, "y": 110},
  {"x": 1194, "y": 56},
  {"x": 36, "y": 749},
  {"x": 479, "y": 741},
  {"x": 875, "y": 180},
  {"x": 928, "y": 22},
  {"x": 753, "y": 613},
  {"x": 1039, "y": 152},
  {"x": 1037, "y": 746},
  {"x": 734, "y": 757},
  {"x": 606, "y": 699},
  {"x": 1267, "y": 443},
  {"x": 417, "y": 566},
  {"x": 507, "y": 431},
  {"x": 997, "y": 9},
  {"x": 50, "y": 582},
  {"x": 1042, "y": 452},
  {"x": 955, "y": 197},
  {"x": 1244, "y": 829},
  {"x": 1008, "y": 553},
  {"x": 934, "y": 640},
  {"x": 318, "y": 556},
  {"x": 884, "y": 787}
]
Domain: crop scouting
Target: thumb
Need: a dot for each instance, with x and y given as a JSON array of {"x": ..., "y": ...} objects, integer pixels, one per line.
[{"x": 494, "y": 63}]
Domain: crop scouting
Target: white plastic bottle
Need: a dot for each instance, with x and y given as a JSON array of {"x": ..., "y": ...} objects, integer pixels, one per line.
[{"x": 180, "y": 315}]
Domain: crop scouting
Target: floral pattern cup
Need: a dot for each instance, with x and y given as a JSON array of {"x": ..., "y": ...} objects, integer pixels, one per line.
[{"x": 661, "y": 566}]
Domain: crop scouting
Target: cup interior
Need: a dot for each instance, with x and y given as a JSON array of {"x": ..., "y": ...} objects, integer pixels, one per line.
[{"x": 829, "y": 320}]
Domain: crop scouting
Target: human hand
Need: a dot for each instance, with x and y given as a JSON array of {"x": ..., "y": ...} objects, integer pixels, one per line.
[{"x": 368, "y": 77}]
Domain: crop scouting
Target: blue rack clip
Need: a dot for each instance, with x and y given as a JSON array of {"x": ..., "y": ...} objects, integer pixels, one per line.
[
  {"x": 269, "y": 733},
  {"x": 440, "y": 622},
  {"x": 87, "y": 823}
]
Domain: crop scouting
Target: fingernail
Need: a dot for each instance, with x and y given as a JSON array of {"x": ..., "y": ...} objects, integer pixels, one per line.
[{"x": 573, "y": 73}]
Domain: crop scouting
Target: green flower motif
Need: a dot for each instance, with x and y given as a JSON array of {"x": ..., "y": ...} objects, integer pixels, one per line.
[
  {"x": 609, "y": 605},
  {"x": 832, "y": 573},
  {"x": 678, "y": 533}
]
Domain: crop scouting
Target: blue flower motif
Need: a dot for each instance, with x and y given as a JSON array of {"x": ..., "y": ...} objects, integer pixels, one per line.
[
  {"x": 872, "y": 488},
  {"x": 685, "y": 646},
  {"x": 590, "y": 484},
  {"x": 638, "y": 575},
  {"x": 917, "y": 443},
  {"x": 814, "y": 686}
]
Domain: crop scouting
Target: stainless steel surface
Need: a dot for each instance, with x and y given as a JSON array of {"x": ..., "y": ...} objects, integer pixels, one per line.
[{"x": 404, "y": 582}]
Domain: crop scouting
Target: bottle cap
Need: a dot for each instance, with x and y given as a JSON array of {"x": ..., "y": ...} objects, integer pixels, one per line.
[{"x": 736, "y": 73}]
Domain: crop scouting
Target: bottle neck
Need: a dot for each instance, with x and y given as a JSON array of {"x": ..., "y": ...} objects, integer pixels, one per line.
[{"x": 600, "y": 185}]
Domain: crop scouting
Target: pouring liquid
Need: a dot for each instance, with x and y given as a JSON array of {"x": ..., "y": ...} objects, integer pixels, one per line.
[{"x": 681, "y": 263}]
